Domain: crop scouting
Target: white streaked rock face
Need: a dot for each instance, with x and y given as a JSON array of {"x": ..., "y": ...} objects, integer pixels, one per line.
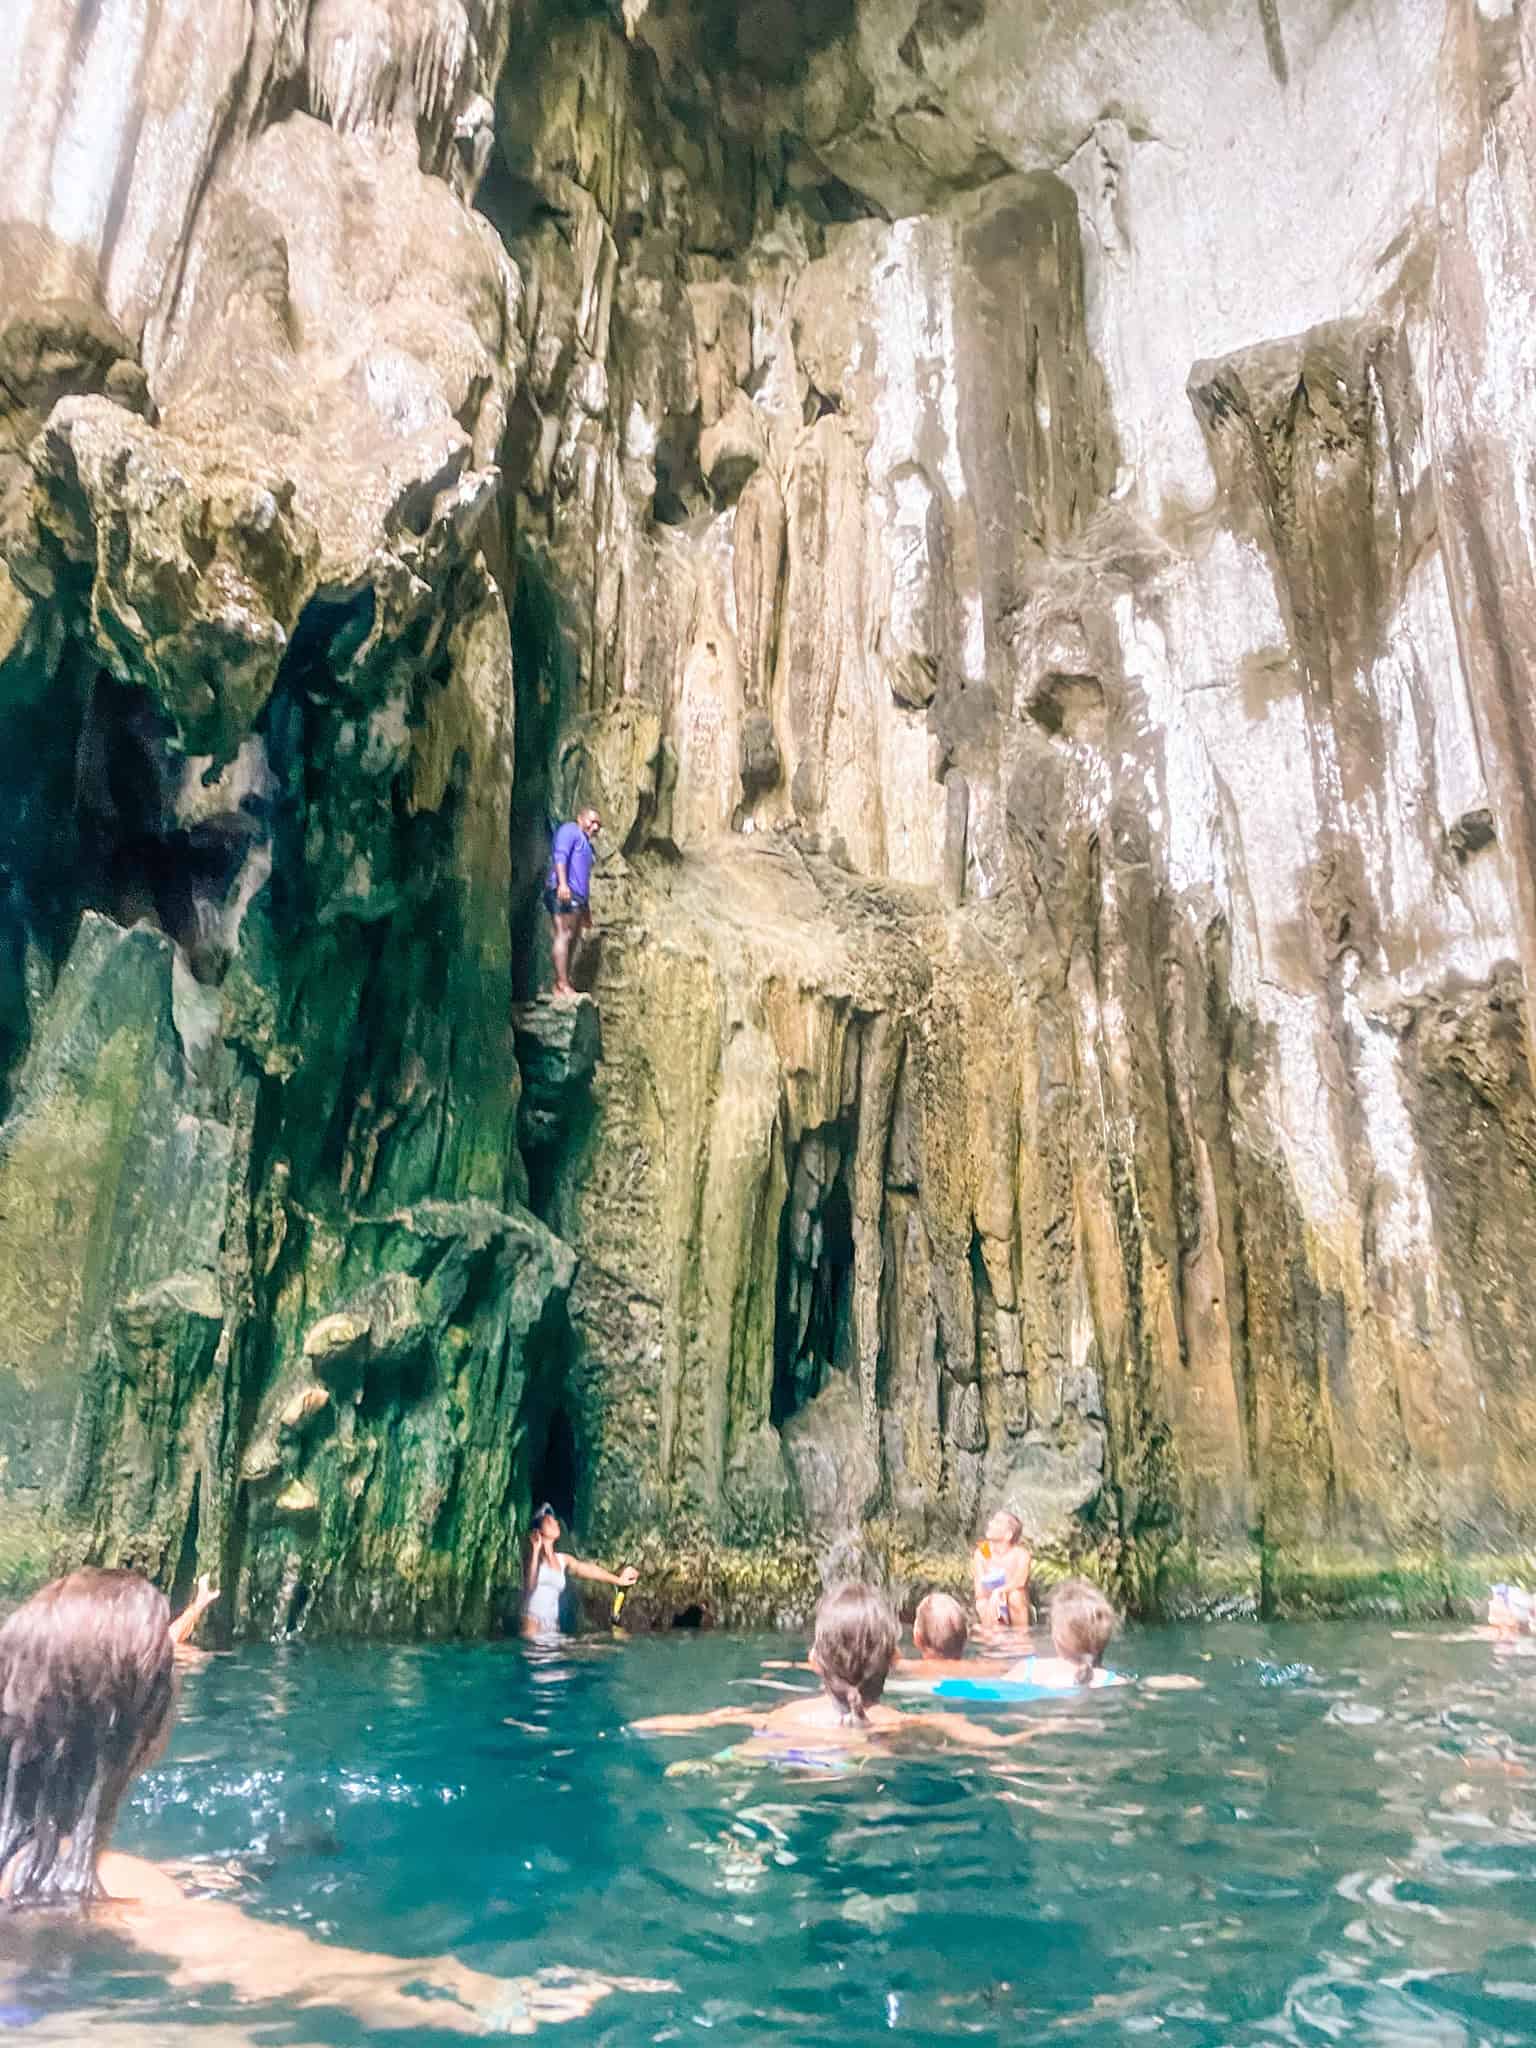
[{"x": 1022, "y": 518}]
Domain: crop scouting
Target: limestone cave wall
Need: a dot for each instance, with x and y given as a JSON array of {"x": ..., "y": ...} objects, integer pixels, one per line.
[{"x": 1020, "y": 520}]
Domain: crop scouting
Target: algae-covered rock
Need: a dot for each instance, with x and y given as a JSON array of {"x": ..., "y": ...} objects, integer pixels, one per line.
[
  {"x": 113, "y": 1180},
  {"x": 398, "y": 1473}
]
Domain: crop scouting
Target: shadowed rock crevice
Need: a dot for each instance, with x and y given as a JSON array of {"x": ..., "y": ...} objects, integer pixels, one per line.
[{"x": 813, "y": 1333}]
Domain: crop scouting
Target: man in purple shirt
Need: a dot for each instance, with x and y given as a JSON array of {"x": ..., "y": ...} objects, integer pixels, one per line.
[{"x": 568, "y": 889}]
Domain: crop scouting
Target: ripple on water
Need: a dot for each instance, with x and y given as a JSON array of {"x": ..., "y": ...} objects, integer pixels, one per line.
[{"x": 1333, "y": 1842}]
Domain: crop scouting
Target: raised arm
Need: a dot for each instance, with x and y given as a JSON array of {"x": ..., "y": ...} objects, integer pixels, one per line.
[
  {"x": 578, "y": 1569},
  {"x": 539, "y": 1548},
  {"x": 186, "y": 1622}
]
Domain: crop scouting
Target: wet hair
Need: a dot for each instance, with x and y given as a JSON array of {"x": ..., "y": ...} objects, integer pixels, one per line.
[
  {"x": 855, "y": 1646},
  {"x": 541, "y": 1514},
  {"x": 1082, "y": 1622},
  {"x": 87, "y": 1692},
  {"x": 940, "y": 1626}
]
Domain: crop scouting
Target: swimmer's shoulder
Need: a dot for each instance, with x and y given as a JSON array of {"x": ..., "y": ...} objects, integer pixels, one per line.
[{"x": 808, "y": 1713}]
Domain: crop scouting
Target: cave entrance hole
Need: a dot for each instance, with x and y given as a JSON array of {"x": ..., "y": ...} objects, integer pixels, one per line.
[
  {"x": 813, "y": 1316},
  {"x": 137, "y": 861},
  {"x": 556, "y": 1475}
]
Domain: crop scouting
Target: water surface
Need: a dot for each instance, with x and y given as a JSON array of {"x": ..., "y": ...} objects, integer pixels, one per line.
[{"x": 1333, "y": 1842}]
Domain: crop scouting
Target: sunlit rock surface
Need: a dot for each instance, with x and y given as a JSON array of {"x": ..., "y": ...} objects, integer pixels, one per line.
[{"x": 1021, "y": 520}]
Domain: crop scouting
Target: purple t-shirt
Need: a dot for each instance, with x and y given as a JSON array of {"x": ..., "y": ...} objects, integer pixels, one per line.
[{"x": 574, "y": 848}]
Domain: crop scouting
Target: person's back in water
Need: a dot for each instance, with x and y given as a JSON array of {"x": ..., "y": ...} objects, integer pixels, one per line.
[
  {"x": 854, "y": 1650},
  {"x": 1082, "y": 1623}
]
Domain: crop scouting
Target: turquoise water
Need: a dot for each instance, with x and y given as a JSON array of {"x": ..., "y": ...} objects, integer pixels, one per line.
[{"x": 1334, "y": 1842}]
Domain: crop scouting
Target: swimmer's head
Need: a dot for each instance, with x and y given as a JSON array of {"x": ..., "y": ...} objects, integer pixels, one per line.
[
  {"x": 545, "y": 1523},
  {"x": 1082, "y": 1622},
  {"x": 87, "y": 1699},
  {"x": 1004, "y": 1528},
  {"x": 939, "y": 1627},
  {"x": 855, "y": 1646}
]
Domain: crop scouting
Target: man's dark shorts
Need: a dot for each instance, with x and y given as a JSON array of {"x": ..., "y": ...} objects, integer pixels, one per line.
[{"x": 555, "y": 907}]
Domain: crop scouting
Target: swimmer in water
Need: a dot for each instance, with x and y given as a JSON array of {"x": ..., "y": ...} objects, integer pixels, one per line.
[
  {"x": 1082, "y": 1622},
  {"x": 853, "y": 1652},
  {"x": 87, "y": 1702},
  {"x": 548, "y": 1568},
  {"x": 1000, "y": 1566}
]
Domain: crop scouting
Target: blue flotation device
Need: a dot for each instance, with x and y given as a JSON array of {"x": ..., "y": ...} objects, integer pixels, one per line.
[
  {"x": 999, "y": 1689},
  {"x": 1004, "y": 1690}
]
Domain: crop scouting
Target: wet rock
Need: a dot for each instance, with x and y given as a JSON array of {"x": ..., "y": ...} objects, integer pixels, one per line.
[
  {"x": 337, "y": 1341},
  {"x": 559, "y": 1043},
  {"x": 305, "y": 1410}
]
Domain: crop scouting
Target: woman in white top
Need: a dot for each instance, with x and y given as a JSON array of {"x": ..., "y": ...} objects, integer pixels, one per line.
[{"x": 546, "y": 1575}]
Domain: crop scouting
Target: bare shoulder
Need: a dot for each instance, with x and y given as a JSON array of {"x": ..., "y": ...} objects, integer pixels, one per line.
[
  {"x": 794, "y": 1714},
  {"x": 135, "y": 1882}
]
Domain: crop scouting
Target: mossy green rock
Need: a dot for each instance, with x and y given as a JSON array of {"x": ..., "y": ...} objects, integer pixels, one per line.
[{"x": 113, "y": 1184}]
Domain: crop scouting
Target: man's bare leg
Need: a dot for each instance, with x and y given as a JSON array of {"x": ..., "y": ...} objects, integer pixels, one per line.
[{"x": 565, "y": 932}]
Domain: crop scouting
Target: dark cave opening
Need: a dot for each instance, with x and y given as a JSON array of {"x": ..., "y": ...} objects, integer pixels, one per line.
[
  {"x": 185, "y": 1577},
  {"x": 138, "y": 861},
  {"x": 679, "y": 481},
  {"x": 813, "y": 1312},
  {"x": 556, "y": 1472}
]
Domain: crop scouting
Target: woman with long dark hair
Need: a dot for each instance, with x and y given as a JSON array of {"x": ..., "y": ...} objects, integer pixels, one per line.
[
  {"x": 87, "y": 1701},
  {"x": 547, "y": 1570}
]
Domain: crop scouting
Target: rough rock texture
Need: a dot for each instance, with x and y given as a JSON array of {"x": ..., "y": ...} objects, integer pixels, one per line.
[{"x": 1020, "y": 518}]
